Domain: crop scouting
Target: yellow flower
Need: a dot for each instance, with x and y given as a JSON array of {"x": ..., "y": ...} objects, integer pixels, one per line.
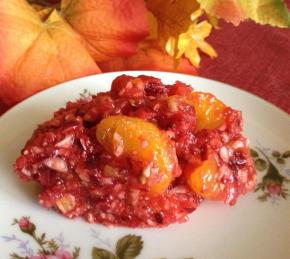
[{"x": 189, "y": 42}]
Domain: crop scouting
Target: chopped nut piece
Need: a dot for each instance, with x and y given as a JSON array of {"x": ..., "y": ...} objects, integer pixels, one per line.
[
  {"x": 66, "y": 142},
  {"x": 66, "y": 203},
  {"x": 56, "y": 163}
]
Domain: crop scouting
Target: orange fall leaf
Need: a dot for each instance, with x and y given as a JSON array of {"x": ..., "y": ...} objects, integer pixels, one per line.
[
  {"x": 41, "y": 47},
  {"x": 149, "y": 58},
  {"x": 109, "y": 28}
]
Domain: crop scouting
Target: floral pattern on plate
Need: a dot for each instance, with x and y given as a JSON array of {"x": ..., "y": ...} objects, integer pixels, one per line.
[
  {"x": 273, "y": 185},
  {"x": 53, "y": 248},
  {"x": 127, "y": 247}
]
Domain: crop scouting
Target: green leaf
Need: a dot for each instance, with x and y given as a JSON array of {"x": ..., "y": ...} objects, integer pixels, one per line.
[
  {"x": 52, "y": 245},
  {"x": 99, "y": 253},
  {"x": 284, "y": 195},
  {"x": 41, "y": 239},
  {"x": 76, "y": 252},
  {"x": 14, "y": 222},
  {"x": 263, "y": 198},
  {"x": 128, "y": 247},
  {"x": 261, "y": 164},
  {"x": 272, "y": 12},
  {"x": 286, "y": 154},
  {"x": 254, "y": 153},
  {"x": 276, "y": 153},
  {"x": 258, "y": 187},
  {"x": 280, "y": 160},
  {"x": 273, "y": 174},
  {"x": 16, "y": 256}
]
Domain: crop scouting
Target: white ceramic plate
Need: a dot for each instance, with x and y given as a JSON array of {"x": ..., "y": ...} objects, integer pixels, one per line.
[{"x": 253, "y": 228}]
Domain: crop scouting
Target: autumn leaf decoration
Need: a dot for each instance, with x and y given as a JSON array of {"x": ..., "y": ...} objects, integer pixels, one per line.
[
  {"x": 179, "y": 31},
  {"x": 45, "y": 42},
  {"x": 41, "y": 47},
  {"x": 272, "y": 12}
]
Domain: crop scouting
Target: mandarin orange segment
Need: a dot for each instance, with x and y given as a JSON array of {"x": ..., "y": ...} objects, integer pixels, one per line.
[
  {"x": 203, "y": 180},
  {"x": 141, "y": 141},
  {"x": 209, "y": 110}
]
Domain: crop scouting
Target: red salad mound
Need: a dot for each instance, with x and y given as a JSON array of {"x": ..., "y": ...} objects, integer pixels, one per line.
[{"x": 144, "y": 154}]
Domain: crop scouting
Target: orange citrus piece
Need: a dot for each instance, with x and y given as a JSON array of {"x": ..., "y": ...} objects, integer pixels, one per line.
[{"x": 141, "y": 141}]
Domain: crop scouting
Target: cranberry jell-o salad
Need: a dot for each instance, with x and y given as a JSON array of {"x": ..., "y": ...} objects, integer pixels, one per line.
[{"x": 144, "y": 154}]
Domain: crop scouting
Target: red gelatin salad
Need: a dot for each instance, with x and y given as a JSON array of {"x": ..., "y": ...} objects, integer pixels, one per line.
[{"x": 144, "y": 154}]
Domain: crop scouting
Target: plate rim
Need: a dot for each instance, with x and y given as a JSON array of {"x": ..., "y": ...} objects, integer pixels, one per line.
[{"x": 9, "y": 114}]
